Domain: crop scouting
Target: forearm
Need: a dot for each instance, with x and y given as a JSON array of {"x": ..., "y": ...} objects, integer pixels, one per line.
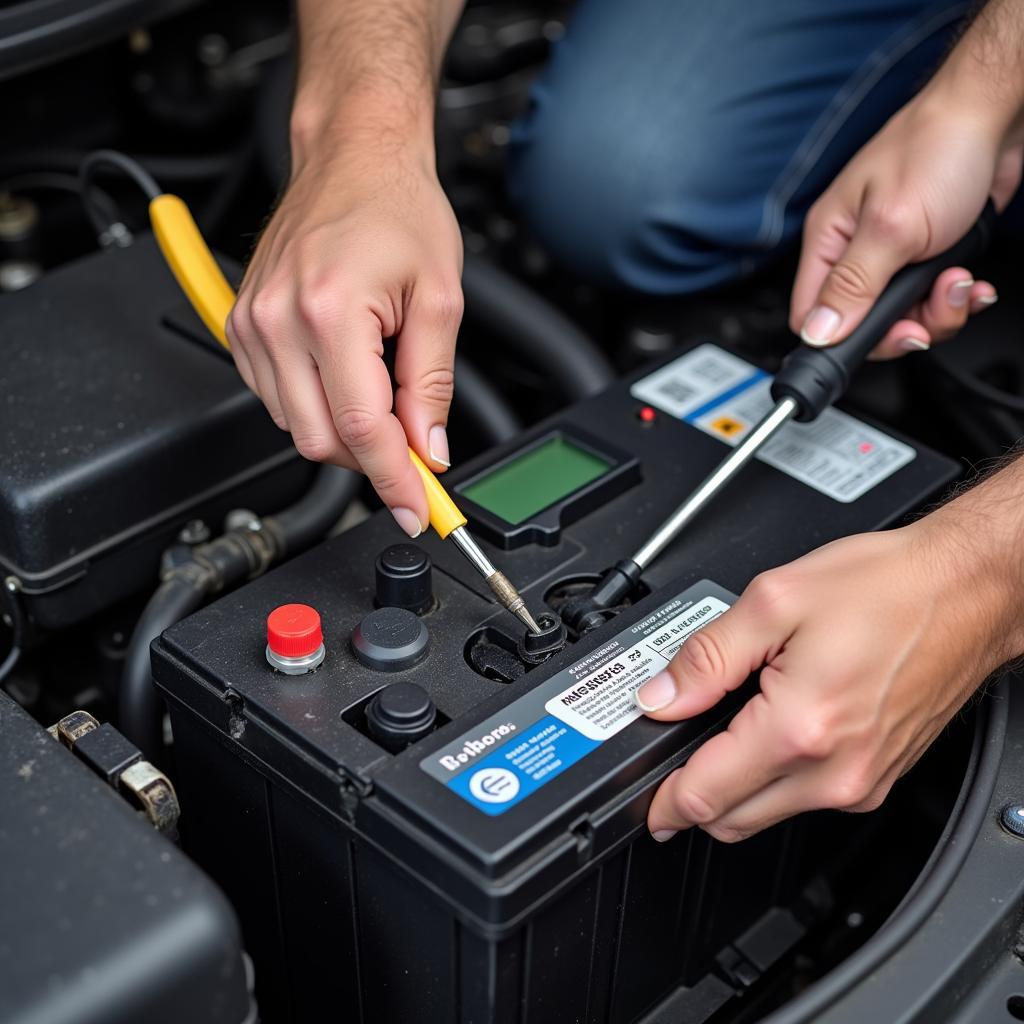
[
  {"x": 979, "y": 538},
  {"x": 368, "y": 72},
  {"x": 985, "y": 71}
]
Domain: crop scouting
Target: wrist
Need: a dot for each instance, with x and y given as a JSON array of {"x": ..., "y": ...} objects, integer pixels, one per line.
[
  {"x": 372, "y": 124},
  {"x": 967, "y": 92}
]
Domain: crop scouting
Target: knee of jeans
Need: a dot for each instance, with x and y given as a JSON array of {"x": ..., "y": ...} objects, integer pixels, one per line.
[{"x": 623, "y": 209}]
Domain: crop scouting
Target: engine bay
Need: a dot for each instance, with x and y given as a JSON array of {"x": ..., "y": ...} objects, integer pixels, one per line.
[{"x": 417, "y": 810}]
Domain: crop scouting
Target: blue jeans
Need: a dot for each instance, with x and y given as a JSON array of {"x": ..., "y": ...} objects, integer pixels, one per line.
[{"x": 672, "y": 145}]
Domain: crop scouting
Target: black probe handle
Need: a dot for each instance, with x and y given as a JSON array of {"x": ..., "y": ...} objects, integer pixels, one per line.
[{"x": 816, "y": 377}]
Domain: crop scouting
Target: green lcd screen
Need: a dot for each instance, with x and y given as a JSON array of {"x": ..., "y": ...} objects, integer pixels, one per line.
[{"x": 535, "y": 480}]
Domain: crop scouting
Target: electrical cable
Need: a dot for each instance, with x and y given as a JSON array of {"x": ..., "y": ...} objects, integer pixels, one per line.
[
  {"x": 119, "y": 161},
  {"x": 535, "y": 329},
  {"x": 111, "y": 159}
]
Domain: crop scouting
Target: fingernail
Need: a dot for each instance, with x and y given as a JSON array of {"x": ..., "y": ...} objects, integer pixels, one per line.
[
  {"x": 912, "y": 345},
  {"x": 988, "y": 300},
  {"x": 959, "y": 293},
  {"x": 438, "y": 445},
  {"x": 656, "y": 693},
  {"x": 820, "y": 326},
  {"x": 663, "y": 835},
  {"x": 408, "y": 521}
]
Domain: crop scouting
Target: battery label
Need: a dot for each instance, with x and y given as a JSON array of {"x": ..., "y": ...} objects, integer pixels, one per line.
[
  {"x": 724, "y": 396},
  {"x": 540, "y": 735}
]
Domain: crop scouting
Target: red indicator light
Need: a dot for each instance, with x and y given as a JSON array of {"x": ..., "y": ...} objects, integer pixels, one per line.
[{"x": 647, "y": 414}]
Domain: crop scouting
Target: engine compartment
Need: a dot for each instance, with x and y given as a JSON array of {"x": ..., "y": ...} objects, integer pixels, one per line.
[{"x": 145, "y": 496}]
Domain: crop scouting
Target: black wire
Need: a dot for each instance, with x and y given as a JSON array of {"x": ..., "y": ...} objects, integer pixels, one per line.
[
  {"x": 121, "y": 162},
  {"x": 111, "y": 158}
]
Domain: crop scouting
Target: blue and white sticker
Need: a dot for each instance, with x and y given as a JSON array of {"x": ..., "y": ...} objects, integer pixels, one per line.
[
  {"x": 724, "y": 396},
  {"x": 537, "y": 737}
]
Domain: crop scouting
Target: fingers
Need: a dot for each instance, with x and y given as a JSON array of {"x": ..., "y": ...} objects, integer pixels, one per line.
[
  {"x": 954, "y": 297},
  {"x": 252, "y": 362},
  {"x": 829, "y": 226},
  {"x": 719, "y": 657},
  {"x": 424, "y": 370},
  {"x": 885, "y": 239},
  {"x": 726, "y": 771},
  {"x": 296, "y": 362},
  {"x": 308, "y": 411},
  {"x": 359, "y": 389}
]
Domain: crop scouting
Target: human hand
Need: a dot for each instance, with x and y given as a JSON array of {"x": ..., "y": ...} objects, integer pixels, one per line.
[
  {"x": 868, "y": 646},
  {"x": 363, "y": 247},
  {"x": 909, "y": 194}
]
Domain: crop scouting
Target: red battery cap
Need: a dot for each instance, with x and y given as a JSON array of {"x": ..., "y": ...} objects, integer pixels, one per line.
[{"x": 293, "y": 631}]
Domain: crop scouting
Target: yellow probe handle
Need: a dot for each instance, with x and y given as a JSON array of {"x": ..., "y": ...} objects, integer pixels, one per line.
[
  {"x": 212, "y": 297},
  {"x": 444, "y": 513},
  {"x": 192, "y": 263}
]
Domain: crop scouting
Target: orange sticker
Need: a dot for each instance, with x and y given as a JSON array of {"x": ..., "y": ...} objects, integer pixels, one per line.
[{"x": 727, "y": 426}]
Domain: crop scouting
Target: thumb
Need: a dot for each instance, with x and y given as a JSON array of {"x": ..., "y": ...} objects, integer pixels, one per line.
[
  {"x": 882, "y": 244},
  {"x": 712, "y": 662}
]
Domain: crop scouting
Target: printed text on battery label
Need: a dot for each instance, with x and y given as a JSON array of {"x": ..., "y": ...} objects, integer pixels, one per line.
[
  {"x": 601, "y": 703},
  {"x": 560, "y": 721}
]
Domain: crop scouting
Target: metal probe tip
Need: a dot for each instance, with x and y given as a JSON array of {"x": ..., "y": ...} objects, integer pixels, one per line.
[
  {"x": 509, "y": 598},
  {"x": 506, "y": 594}
]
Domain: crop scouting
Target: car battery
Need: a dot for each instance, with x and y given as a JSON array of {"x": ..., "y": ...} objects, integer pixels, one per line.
[{"x": 442, "y": 822}]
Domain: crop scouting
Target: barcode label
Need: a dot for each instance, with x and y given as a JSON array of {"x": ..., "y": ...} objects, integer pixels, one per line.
[
  {"x": 691, "y": 381},
  {"x": 676, "y": 391},
  {"x": 723, "y": 396}
]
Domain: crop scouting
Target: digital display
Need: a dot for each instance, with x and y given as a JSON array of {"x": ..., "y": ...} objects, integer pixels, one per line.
[{"x": 535, "y": 480}]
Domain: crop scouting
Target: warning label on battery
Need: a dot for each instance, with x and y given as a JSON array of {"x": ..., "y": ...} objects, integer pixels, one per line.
[
  {"x": 724, "y": 396},
  {"x": 602, "y": 703},
  {"x": 537, "y": 737}
]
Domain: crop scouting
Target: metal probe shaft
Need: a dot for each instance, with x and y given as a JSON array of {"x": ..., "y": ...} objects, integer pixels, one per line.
[
  {"x": 715, "y": 481},
  {"x": 506, "y": 594}
]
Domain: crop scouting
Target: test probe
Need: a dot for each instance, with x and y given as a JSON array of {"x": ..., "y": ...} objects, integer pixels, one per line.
[
  {"x": 212, "y": 297},
  {"x": 809, "y": 380}
]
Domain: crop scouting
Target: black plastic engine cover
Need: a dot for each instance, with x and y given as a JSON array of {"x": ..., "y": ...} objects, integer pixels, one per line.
[
  {"x": 117, "y": 427},
  {"x": 104, "y": 920}
]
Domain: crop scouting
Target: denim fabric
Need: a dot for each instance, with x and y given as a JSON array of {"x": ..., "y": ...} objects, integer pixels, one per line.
[{"x": 673, "y": 145}]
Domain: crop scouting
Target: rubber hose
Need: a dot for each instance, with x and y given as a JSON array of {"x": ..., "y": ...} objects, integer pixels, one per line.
[
  {"x": 140, "y": 707},
  {"x": 483, "y": 405},
  {"x": 312, "y": 516},
  {"x": 534, "y": 329}
]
